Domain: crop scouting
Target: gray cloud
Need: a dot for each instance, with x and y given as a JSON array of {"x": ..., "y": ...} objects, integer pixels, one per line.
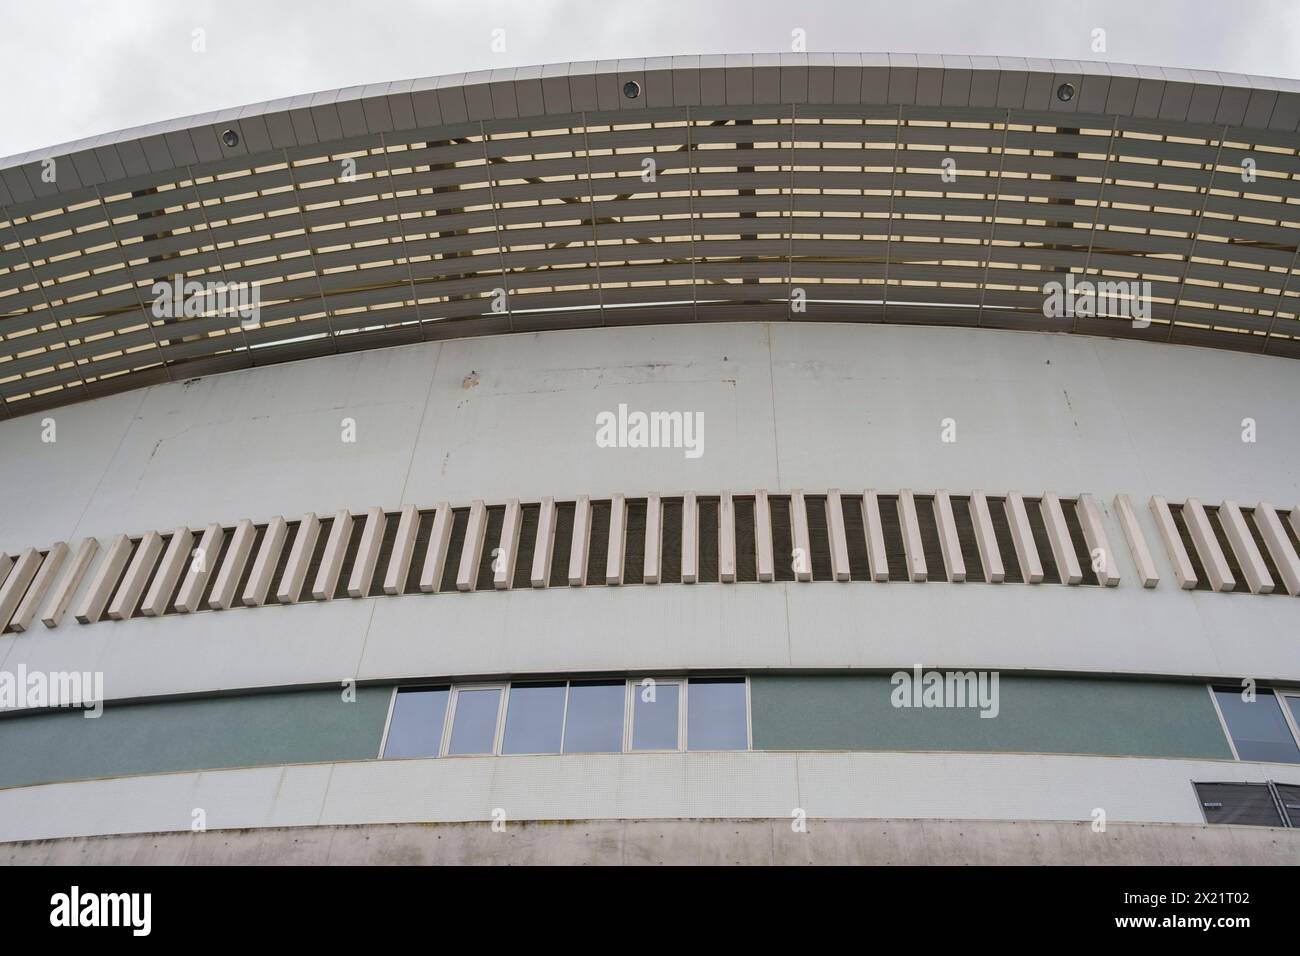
[{"x": 77, "y": 68}]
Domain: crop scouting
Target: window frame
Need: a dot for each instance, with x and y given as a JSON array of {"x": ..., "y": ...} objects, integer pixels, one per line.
[
  {"x": 629, "y": 714},
  {"x": 743, "y": 680},
  {"x": 631, "y": 687},
  {"x": 453, "y": 705},
  {"x": 623, "y": 735},
  {"x": 564, "y": 683},
  {"x": 1280, "y": 694},
  {"x": 449, "y": 686}
]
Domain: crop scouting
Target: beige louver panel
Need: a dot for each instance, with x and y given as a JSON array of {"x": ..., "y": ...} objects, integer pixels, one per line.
[{"x": 585, "y": 543}]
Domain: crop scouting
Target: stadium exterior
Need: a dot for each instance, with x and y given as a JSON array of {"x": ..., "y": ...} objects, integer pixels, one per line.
[{"x": 793, "y": 458}]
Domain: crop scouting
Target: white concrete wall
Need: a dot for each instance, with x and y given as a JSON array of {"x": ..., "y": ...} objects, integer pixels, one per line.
[
  {"x": 786, "y": 406},
  {"x": 633, "y": 786}
]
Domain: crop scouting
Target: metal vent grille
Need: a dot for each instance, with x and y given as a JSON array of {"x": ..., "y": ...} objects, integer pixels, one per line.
[
  {"x": 423, "y": 532},
  {"x": 670, "y": 556},
  {"x": 459, "y": 525},
  {"x": 1046, "y": 557},
  {"x": 1229, "y": 553},
  {"x": 1070, "y": 508},
  {"x": 782, "y": 537},
  {"x": 1194, "y": 556},
  {"x": 855, "y": 530},
  {"x": 170, "y": 607},
  {"x": 970, "y": 550},
  {"x": 1006, "y": 545},
  {"x": 528, "y": 517},
  {"x": 892, "y": 529},
  {"x": 634, "y": 553},
  {"x": 214, "y": 569},
  {"x": 746, "y": 544},
  {"x": 496, "y": 516},
  {"x": 153, "y": 572},
  {"x": 1245, "y": 804},
  {"x": 819, "y": 537},
  {"x": 709, "y": 531},
  {"x": 259, "y": 533},
  {"x": 1265, "y": 553},
  {"x": 349, "y": 557},
  {"x": 1290, "y": 530},
  {"x": 936, "y": 570},
  {"x": 317, "y": 555},
  {"x": 1289, "y": 796},
  {"x": 563, "y": 546},
  {"x": 598, "y": 549},
  {"x": 282, "y": 559},
  {"x": 392, "y": 521}
]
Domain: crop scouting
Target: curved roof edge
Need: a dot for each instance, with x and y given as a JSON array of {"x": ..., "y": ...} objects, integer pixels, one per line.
[{"x": 1268, "y": 104}]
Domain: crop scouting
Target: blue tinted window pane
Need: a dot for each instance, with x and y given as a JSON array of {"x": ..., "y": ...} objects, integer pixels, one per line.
[
  {"x": 416, "y": 725},
  {"x": 715, "y": 718},
  {"x": 534, "y": 719},
  {"x": 1258, "y": 728},
  {"x": 654, "y": 722},
  {"x": 595, "y": 721},
  {"x": 474, "y": 727}
]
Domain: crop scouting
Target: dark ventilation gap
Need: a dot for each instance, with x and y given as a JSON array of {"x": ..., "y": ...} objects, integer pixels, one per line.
[
  {"x": 746, "y": 545},
  {"x": 782, "y": 537},
  {"x": 528, "y": 518},
  {"x": 634, "y": 550},
  {"x": 1034, "y": 508},
  {"x": 970, "y": 549},
  {"x": 459, "y": 524},
  {"x": 153, "y": 573},
  {"x": 709, "y": 537},
  {"x": 350, "y": 556},
  {"x": 1229, "y": 554},
  {"x": 598, "y": 549},
  {"x": 1070, "y": 508},
  {"x": 670, "y": 554},
  {"x": 564, "y": 513},
  {"x": 819, "y": 537},
  {"x": 935, "y": 569},
  {"x": 1262, "y": 548},
  {"x": 423, "y": 532},
  {"x": 1202, "y": 582},
  {"x": 496, "y": 516},
  {"x": 1011, "y": 572},
  {"x": 855, "y": 530},
  {"x": 891, "y": 527}
]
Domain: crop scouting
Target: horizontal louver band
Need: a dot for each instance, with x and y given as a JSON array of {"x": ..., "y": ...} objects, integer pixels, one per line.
[{"x": 610, "y": 542}]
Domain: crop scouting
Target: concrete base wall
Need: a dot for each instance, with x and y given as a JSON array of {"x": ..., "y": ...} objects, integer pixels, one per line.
[{"x": 685, "y": 842}]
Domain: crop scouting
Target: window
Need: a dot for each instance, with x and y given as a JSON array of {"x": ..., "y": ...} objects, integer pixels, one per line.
[
  {"x": 1259, "y": 729},
  {"x": 534, "y": 719},
  {"x": 593, "y": 716},
  {"x": 474, "y": 723},
  {"x": 415, "y": 728},
  {"x": 655, "y": 715},
  {"x": 718, "y": 714},
  {"x": 594, "y": 724}
]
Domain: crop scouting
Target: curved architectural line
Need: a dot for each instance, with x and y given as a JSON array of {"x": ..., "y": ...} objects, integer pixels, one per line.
[{"x": 1100, "y": 199}]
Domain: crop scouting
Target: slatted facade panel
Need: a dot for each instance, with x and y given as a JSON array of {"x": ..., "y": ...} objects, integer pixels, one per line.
[
  {"x": 808, "y": 537},
  {"x": 387, "y": 238}
]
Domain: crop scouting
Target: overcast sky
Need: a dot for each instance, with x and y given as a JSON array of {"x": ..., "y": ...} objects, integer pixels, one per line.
[{"x": 76, "y": 68}]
